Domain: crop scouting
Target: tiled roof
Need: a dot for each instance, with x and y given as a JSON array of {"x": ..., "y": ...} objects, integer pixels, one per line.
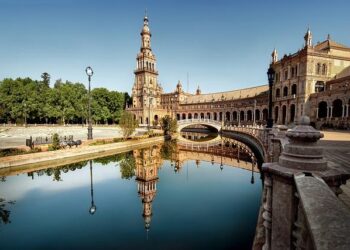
[{"x": 229, "y": 95}]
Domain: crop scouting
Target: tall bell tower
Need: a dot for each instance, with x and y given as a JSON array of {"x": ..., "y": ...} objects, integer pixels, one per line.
[{"x": 146, "y": 90}]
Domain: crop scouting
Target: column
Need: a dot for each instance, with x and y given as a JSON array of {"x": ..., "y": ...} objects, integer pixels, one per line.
[
  {"x": 327, "y": 112},
  {"x": 316, "y": 113},
  {"x": 331, "y": 113},
  {"x": 347, "y": 110},
  {"x": 343, "y": 111},
  {"x": 239, "y": 117}
]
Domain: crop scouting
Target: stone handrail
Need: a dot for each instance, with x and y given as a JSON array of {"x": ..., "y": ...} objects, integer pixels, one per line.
[
  {"x": 323, "y": 221},
  {"x": 259, "y": 132},
  {"x": 300, "y": 209}
]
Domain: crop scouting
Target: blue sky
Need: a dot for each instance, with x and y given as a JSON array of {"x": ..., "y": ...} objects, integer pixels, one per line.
[{"x": 223, "y": 45}]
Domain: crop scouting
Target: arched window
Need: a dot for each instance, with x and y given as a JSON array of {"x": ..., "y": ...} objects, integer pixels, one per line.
[
  {"x": 208, "y": 116},
  {"x": 285, "y": 91},
  {"x": 195, "y": 116},
  {"x": 324, "y": 69},
  {"x": 202, "y": 115},
  {"x": 189, "y": 116},
  {"x": 337, "y": 108},
  {"x": 183, "y": 116},
  {"x": 319, "y": 86},
  {"x": 278, "y": 93},
  {"x": 322, "y": 109},
  {"x": 294, "y": 89},
  {"x": 318, "y": 68}
]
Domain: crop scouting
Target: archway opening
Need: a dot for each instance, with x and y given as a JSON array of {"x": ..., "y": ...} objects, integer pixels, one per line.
[
  {"x": 292, "y": 113},
  {"x": 227, "y": 116},
  {"x": 276, "y": 114},
  {"x": 257, "y": 115},
  {"x": 249, "y": 115},
  {"x": 337, "y": 108},
  {"x": 234, "y": 116},
  {"x": 322, "y": 109},
  {"x": 284, "y": 114}
]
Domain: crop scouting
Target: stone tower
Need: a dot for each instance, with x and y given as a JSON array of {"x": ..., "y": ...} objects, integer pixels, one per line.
[{"x": 146, "y": 90}]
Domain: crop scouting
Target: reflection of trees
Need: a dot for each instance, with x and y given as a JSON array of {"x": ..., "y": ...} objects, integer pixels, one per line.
[
  {"x": 56, "y": 172},
  {"x": 3, "y": 178},
  {"x": 4, "y": 213},
  {"x": 108, "y": 159},
  {"x": 168, "y": 149},
  {"x": 127, "y": 166}
]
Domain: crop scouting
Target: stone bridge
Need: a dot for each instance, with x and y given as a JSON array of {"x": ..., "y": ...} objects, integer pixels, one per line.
[{"x": 181, "y": 124}]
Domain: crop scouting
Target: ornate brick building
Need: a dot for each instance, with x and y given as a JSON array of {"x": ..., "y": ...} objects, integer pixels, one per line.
[{"x": 300, "y": 79}]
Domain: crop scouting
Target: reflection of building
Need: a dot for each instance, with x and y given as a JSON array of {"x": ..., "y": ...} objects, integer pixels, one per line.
[
  {"x": 230, "y": 153},
  {"x": 298, "y": 76},
  {"x": 147, "y": 161}
]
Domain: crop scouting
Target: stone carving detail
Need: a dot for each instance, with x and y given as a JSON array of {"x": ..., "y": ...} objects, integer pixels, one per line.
[{"x": 267, "y": 211}]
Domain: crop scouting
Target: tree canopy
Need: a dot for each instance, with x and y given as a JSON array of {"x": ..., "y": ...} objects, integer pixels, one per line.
[{"x": 65, "y": 102}]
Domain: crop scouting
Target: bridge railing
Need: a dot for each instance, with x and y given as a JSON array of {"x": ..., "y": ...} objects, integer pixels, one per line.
[
  {"x": 257, "y": 131},
  {"x": 195, "y": 120}
]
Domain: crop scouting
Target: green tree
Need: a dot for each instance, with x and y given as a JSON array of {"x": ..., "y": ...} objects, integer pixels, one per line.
[
  {"x": 168, "y": 124},
  {"x": 128, "y": 124},
  {"x": 46, "y": 78}
]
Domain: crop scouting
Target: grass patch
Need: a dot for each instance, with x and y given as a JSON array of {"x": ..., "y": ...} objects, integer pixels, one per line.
[{"x": 15, "y": 151}]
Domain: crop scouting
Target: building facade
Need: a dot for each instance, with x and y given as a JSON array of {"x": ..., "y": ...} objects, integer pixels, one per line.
[{"x": 298, "y": 78}]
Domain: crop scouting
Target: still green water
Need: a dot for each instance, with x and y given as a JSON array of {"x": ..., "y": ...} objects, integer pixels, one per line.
[{"x": 160, "y": 197}]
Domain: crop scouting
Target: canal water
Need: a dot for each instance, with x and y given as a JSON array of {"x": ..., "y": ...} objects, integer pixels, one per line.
[{"x": 168, "y": 196}]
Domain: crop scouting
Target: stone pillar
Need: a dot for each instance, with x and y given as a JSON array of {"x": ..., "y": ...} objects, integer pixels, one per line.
[
  {"x": 316, "y": 113},
  {"x": 328, "y": 112},
  {"x": 343, "y": 111},
  {"x": 331, "y": 113},
  {"x": 347, "y": 110}
]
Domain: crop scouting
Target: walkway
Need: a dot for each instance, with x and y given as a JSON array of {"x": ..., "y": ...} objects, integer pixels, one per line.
[{"x": 336, "y": 149}]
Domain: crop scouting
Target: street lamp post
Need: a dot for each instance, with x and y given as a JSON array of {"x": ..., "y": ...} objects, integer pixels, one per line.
[
  {"x": 271, "y": 77},
  {"x": 25, "y": 114},
  {"x": 89, "y": 73}
]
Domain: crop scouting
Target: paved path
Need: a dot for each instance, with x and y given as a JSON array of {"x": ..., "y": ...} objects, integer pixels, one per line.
[
  {"x": 16, "y": 136},
  {"x": 336, "y": 148}
]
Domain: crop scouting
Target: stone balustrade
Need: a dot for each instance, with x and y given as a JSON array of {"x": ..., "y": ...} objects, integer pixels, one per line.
[{"x": 299, "y": 204}]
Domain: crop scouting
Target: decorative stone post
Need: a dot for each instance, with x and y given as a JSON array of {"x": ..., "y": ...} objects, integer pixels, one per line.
[{"x": 280, "y": 205}]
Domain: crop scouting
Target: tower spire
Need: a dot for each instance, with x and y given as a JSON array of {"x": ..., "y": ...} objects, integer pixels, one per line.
[{"x": 308, "y": 38}]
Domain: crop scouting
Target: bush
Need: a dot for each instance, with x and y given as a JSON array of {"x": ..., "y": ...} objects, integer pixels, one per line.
[{"x": 55, "y": 142}]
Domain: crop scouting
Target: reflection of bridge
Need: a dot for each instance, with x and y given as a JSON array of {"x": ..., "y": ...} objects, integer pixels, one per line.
[
  {"x": 199, "y": 121},
  {"x": 255, "y": 136}
]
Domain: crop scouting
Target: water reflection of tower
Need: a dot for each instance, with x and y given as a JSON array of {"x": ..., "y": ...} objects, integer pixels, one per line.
[{"x": 147, "y": 163}]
